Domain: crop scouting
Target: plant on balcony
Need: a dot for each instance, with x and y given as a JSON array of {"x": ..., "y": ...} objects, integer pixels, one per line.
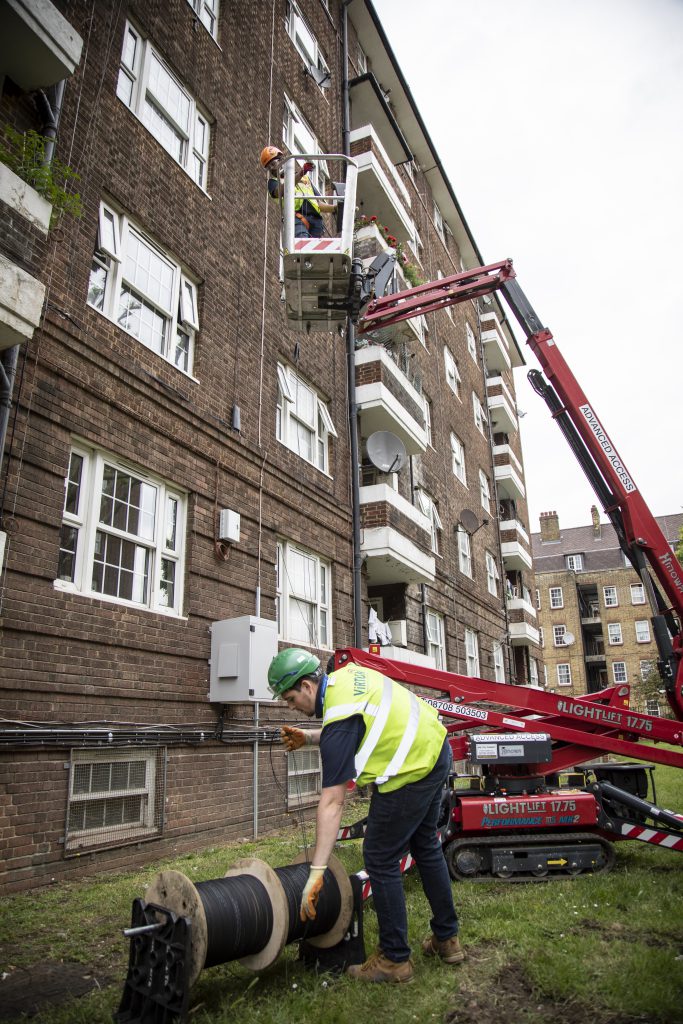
[
  {"x": 24, "y": 153},
  {"x": 408, "y": 269}
]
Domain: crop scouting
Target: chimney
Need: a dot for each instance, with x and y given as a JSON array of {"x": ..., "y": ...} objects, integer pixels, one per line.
[
  {"x": 595, "y": 516},
  {"x": 550, "y": 527}
]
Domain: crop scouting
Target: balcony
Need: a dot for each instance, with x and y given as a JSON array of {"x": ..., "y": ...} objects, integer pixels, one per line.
[
  {"x": 508, "y": 473},
  {"x": 408, "y": 657},
  {"x": 380, "y": 191},
  {"x": 514, "y": 542},
  {"x": 502, "y": 408},
  {"x": 496, "y": 348},
  {"x": 21, "y": 294},
  {"x": 523, "y": 632},
  {"x": 38, "y": 46},
  {"x": 395, "y": 538},
  {"x": 386, "y": 399},
  {"x": 520, "y": 604}
]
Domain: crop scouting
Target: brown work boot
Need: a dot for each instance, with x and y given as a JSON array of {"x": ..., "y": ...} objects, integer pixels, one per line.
[
  {"x": 379, "y": 968},
  {"x": 449, "y": 950}
]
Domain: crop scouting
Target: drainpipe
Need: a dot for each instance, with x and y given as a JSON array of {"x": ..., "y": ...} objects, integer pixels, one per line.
[
  {"x": 49, "y": 106},
  {"x": 351, "y": 363}
]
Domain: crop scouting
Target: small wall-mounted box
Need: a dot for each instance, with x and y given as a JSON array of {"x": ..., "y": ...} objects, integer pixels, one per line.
[
  {"x": 229, "y": 526},
  {"x": 241, "y": 652}
]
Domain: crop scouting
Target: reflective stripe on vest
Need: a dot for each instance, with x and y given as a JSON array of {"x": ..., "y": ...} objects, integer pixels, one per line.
[{"x": 403, "y": 736}]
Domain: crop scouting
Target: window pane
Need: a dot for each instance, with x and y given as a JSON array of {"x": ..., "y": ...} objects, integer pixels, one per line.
[
  {"x": 169, "y": 95},
  {"x": 73, "y": 485},
  {"x": 97, "y": 286},
  {"x": 171, "y": 523},
  {"x": 301, "y": 625},
  {"x": 144, "y": 322},
  {"x": 68, "y": 541},
  {"x": 167, "y": 583},
  {"x": 124, "y": 88},
  {"x": 120, "y": 568},
  {"x": 148, "y": 272}
]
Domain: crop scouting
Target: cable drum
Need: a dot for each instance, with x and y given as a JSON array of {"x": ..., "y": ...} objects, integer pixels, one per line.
[
  {"x": 239, "y": 918},
  {"x": 293, "y": 879},
  {"x": 253, "y": 912}
]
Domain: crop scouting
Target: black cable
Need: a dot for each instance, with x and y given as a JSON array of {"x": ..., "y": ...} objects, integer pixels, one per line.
[
  {"x": 239, "y": 917},
  {"x": 293, "y": 879}
]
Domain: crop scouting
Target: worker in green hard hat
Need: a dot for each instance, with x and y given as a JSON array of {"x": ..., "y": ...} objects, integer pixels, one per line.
[{"x": 377, "y": 732}]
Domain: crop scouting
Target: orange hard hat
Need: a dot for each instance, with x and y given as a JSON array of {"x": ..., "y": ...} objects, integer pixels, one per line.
[{"x": 268, "y": 154}]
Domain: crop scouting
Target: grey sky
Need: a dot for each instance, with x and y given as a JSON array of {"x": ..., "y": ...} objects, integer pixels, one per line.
[{"x": 560, "y": 127}]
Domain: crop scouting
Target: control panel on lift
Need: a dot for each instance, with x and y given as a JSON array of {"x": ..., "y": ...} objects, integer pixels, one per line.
[{"x": 317, "y": 271}]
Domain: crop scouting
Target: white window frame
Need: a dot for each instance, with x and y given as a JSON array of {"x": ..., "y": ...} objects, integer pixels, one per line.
[
  {"x": 453, "y": 378},
  {"x": 559, "y": 631},
  {"x": 610, "y": 597},
  {"x": 305, "y": 41},
  {"x": 303, "y": 437},
  {"x": 464, "y": 552},
  {"x": 574, "y": 562},
  {"x": 541, "y": 636},
  {"x": 619, "y": 672},
  {"x": 642, "y": 627},
  {"x": 428, "y": 419},
  {"x": 653, "y": 707},
  {"x": 556, "y": 595},
  {"x": 299, "y": 137},
  {"x": 471, "y": 341},
  {"x": 484, "y": 491},
  {"x": 458, "y": 459},
  {"x": 164, "y": 551},
  {"x": 436, "y": 638},
  {"x": 646, "y": 666},
  {"x": 498, "y": 662},
  {"x": 187, "y": 143},
  {"x": 533, "y": 672},
  {"x": 564, "y": 674},
  {"x": 492, "y": 574},
  {"x": 310, "y": 604},
  {"x": 638, "y": 594},
  {"x": 615, "y": 634},
  {"x": 429, "y": 509},
  {"x": 538, "y": 600},
  {"x": 164, "y": 323},
  {"x": 472, "y": 653},
  {"x": 207, "y": 12},
  {"x": 439, "y": 223},
  {"x": 111, "y": 834},
  {"x": 480, "y": 418}
]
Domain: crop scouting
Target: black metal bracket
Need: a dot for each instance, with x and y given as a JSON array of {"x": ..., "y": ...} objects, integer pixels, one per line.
[{"x": 156, "y": 990}]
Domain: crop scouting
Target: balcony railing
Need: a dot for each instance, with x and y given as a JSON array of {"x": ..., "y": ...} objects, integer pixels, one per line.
[
  {"x": 508, "y": 473},
  {"x": 380, "y": 191},
  {"x": 387, "y": 400},
  {"x": 496, "y": 348},
  {"x": 395, "y": 538},
  {"x": 502, "y": 409},
  {"x": 523, "y": 632}
]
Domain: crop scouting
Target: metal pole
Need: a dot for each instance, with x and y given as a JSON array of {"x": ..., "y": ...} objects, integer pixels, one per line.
[{"x": 351, "y": 365}]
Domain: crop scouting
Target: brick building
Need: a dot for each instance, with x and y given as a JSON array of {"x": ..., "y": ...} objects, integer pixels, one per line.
[
  {"x": 158, "y": 386},
  {"x": 586, "y": 590}
]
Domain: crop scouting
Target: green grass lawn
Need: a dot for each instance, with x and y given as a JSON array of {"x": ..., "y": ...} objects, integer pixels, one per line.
[{"x": 604, "y": 949}]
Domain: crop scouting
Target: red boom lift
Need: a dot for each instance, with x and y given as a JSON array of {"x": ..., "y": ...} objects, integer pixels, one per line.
[{"x": 540, "y": 809}]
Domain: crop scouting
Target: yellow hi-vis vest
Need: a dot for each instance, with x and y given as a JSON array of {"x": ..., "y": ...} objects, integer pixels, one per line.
[
  {"x": 303, "y": 190},
  {"x": 403, "y": 735}
]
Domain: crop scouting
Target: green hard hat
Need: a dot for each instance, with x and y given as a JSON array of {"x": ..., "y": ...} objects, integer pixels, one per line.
[{"x": 288, "y": 667}]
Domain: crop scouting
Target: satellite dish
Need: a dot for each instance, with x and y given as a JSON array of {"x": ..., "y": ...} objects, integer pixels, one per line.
[
  {"x": 469, "y": 520},
  {"x": 386, "y": 451},
  {"x": 569, "y": 639}
]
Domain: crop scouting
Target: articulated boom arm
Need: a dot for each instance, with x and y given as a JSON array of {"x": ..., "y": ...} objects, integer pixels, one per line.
[
  {"x": 584, "y": 727},
  {"x": 637, "y": 529}
]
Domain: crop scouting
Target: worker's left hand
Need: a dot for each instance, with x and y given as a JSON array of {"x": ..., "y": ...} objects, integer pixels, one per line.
[
  {"x": 311, "y": 893},
  {"x": 292, "y": 738}
]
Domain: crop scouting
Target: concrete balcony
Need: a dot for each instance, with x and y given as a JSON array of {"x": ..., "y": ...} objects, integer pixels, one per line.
[
  {"x": 38, "y": 46},
  {"x": 514, "y": 542},
  {"x": 496, "y": 348},
  {"x": 519, "y": 604},
  {"x": 595, "y": 659},
  {"x": 508, "y": 473},
  {"x": 380, "y": 191},
  {"x": 21, "y": 294},
  {"x": 408, "y": 657},
  {"x": 395, "y": 538},
  {"x": 502, "y": 408},
  {"x": 523, "y": 631},
  {"x": 387, "y": 400}
]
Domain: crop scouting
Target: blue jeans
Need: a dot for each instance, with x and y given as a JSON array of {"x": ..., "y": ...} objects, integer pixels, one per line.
[
  {"x": 406, "y": 819},
  {"x": 314, "y": 230}
]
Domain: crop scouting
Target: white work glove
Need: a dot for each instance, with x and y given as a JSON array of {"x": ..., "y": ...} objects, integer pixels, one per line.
[{"x": 311, "y": 893}]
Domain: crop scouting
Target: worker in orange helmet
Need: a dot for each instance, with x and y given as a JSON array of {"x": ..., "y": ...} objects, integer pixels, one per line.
[{"x": 308, "y": 208}]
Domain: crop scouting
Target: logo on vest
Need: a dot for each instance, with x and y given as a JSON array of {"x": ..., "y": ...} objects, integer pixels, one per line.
[{"x": 359, "y": 683}]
